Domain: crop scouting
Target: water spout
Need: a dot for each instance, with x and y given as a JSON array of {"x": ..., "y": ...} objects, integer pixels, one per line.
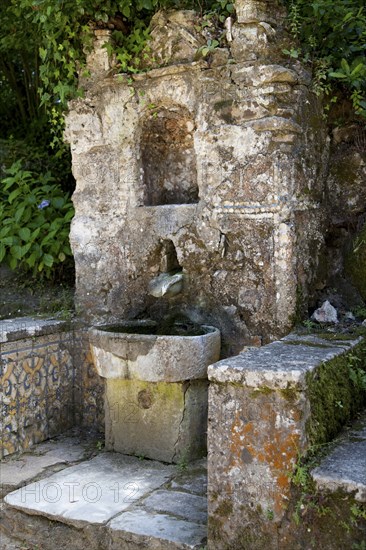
[{"x": 166, "y": 284}]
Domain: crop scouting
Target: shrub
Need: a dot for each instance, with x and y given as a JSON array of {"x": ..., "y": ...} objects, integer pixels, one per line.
[
  {"x": 35, "y": 217},
  {"x": 331, "y": 36}
]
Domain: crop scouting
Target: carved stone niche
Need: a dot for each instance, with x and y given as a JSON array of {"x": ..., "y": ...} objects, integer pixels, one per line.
[{"x": 168, "y": 157}]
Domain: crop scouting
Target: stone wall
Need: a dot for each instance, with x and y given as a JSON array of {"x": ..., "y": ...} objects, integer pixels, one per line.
[
  {"x": 219, "y": 161},
  {"x": 48, "y": 383},
  {"x": 267, "y": 407}
]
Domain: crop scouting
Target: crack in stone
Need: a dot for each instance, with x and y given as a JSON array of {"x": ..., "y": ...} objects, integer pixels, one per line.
[{"x": 187, "y": 385}]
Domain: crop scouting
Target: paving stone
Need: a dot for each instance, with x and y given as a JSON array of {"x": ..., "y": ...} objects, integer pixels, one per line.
[
  {"x": 17, "y": 471},
  {"x": 91, "y": 492},
  {"x": 186, "y": 506},
  {"x": 192, "y": 483},
  {"x": 159, "y": 526}
]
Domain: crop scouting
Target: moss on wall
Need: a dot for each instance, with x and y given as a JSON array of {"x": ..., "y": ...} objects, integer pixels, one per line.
[
  {"x": 334, "y": 398},
  {"x": 323, "y": 520},
  {"x": 355, "y": 263}
]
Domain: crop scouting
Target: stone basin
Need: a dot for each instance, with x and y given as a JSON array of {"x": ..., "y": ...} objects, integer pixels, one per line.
[
  {"x": 156, "y": 387},
  {"x": 137, "y": 350}
]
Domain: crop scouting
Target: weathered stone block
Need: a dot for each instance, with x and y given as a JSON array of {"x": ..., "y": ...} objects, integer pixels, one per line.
[
  {"x": 266, "y": 407},
  {"x": 162, "y": 421}
]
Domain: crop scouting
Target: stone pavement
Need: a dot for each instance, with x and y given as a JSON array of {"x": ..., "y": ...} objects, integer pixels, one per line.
[{"x": 104, "y": 501}]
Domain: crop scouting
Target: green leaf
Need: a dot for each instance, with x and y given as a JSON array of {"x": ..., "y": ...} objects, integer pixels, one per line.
[
  {"x": 19, "y": 213},
  {"x": 25, "y": 234},
  {"x": 2, "y": 252},
  {"x": 4, "y": 231},
  {"x": 14, "y": 194},
  {"x": 337, "y": 75},
  {"x": 9, "y": 241},
  {"x": 48, "y": 260},
  {"x": 26, "y": 249},
  {"x": 126, "y": 11},
  {"x": 32, "y": 259},
  {"x": 13, "y": 262},
  {"x": 16, "y": 252},
  {"x": 58, "y": 202}
]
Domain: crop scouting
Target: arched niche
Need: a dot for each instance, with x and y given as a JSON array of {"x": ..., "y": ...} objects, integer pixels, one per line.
[{"x": 168, "y": 157}]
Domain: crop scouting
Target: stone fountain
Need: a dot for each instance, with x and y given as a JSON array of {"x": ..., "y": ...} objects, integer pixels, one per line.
[{"x": 197, "y": 198}]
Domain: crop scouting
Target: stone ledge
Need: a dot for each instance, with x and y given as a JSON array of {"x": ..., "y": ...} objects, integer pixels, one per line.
[
  {"x": 27, "y": 327},
  {"x": 277, "y": 364},
  {"x": 345, "y": 467},
  {"x": 267, "y": 407}
]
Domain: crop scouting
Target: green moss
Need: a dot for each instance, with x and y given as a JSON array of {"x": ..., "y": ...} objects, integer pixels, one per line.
[
  {"x": 263, "y": 390},
  {"x": 304, "y": 343},
  {"x": 334, "y": 398},
  {"x": 324, "y": 520},
  {"x": 225, "y": 509},
  {"x": 256, "y": 534},
  {"x": 336, "y": 336},
  {"x": 355, "y": 263},
  {"x": 290, "y": 393}
]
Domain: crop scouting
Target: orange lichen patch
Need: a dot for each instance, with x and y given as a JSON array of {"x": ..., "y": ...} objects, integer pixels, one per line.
[
  {"x": 242, "y": 434},
  {"x": 263, "y": 441},
  {"x": 280, "y": 454}
]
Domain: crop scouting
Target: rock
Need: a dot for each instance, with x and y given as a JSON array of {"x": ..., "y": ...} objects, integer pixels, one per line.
[
  {"x": 173, "y": 38},
  {"x": 349, "y": 316},
  {"x": 326, "y": 314}
]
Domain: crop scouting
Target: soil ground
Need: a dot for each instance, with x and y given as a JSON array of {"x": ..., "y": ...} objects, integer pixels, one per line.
[{"x": 22, "y": 296}]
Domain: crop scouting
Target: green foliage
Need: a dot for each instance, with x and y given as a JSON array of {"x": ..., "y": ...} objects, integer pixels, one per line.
[
  {"x": 356, "y": 373},
  {"x": 19, "y": 75},
  {"x": 355, "y": 263},
  {"x": 332, "y": 37},
  {"x": 35, "y": 218},
  {"x": 301, "y": 478}
]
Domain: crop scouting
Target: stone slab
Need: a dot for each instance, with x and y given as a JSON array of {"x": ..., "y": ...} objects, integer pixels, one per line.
[
  {"x": 345, "y": 467},
  {"x": 92, "y": 492},
  {"x": 317, "y": 341},
  {"x": 196, "y": 484},
  {"x": 277, "y": 364},
  {"x": 183, "y": 505},
  {"x": 147, "y": 525},
  {"x": 16, "y": 471},
  {"x": 25, "y": 327}
]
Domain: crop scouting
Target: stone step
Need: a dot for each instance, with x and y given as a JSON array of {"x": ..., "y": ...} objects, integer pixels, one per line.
[
  {"x": 107, "y": 501},
  {"x": 345, "y": 466}
]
